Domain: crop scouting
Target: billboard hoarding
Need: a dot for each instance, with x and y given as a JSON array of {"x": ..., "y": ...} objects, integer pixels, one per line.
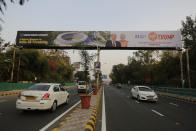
[{"x": 102, "y": 39}]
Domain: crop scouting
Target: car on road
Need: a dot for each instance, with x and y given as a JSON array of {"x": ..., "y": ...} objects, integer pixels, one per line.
[
  {"x": 118, "y": 85},
  {"x": 83, "y": 87},
  {"x": 144, "y": 93},
  {"x": 42, "y": 96}
]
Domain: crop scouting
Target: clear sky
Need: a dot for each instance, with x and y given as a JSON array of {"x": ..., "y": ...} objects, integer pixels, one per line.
[{"x": 115, "y": 15}]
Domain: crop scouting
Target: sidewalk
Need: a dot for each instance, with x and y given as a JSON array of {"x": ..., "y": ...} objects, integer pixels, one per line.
[{"x": 77, "y": 119}]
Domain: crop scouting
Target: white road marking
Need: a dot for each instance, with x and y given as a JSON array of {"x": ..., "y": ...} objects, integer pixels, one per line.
[
  {"x": 137, "y": 101},
  {"x": 103, "y": 125},
  {"x": 1, "y": 101},
  {"x": 56, "y": 119},
  {"x": 157, "y": 112},
  {"x": 173, "y": 104}
]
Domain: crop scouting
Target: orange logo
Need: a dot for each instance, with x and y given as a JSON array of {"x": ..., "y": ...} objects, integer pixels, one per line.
[{"x": 152, "y": 36}]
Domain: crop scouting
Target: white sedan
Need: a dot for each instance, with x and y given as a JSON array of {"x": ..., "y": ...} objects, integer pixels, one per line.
[
  {"x": 144, "y": 93},
  {"x": 42, "y": 96}
]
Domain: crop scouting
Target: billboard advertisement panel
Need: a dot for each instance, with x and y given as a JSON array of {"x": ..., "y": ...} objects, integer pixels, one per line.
[{"x": 103, "y": 39}]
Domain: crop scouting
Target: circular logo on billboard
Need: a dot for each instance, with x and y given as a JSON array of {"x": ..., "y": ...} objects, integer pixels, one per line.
[{"x": 152, "y": 36}]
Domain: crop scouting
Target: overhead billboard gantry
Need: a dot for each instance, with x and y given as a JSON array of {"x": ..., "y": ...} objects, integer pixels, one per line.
[{"x": 115, "y": 40}]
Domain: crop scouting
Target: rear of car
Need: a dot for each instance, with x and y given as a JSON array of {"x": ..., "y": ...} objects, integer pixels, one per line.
[
  {"x": 41, "y": 97},
  {"x": 82, "y": 87},
  {"x": 118, "y": 85},
  {"x": 36, "y": 97}
]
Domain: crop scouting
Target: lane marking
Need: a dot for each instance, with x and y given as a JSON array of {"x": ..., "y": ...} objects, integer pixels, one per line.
[
  {"x": 157, "y": 112},
  {"x": 137, "y": 102},
  {"x": 1, "y": 101},
  {"x": 103, "y": 125},
  {"x": 57, "y": 118},
  {"x": 173, "y": 104}
]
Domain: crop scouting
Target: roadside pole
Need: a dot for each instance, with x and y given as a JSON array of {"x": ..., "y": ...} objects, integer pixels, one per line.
[
  {"x": 181, "y": 66},
  {"x": 18, "y": 70},
  {"x": 98, "y": 60},
  {"x": 188, "y": 68},
  {"x": 13, "y": 62}
]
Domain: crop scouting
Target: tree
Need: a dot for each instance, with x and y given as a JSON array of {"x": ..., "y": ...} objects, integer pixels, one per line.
[
  {"x": 188, "y": 32},
  {"x": 86, "y": 60},
  {"x": 3, "y": 3}
]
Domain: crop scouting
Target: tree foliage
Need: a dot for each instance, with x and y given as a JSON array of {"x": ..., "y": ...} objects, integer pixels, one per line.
[
  {"x": 188, "y": 31},
  {"x": 163, "y": 71},
  {"x": 86, "y": 60},
  {"x": 34, "y": 66}
]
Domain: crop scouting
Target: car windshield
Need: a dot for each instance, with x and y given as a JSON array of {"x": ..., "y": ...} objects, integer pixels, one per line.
[
  {"x": 144, "y": 89},
  {"x": 39, "y": 87},
  {"x": 82, "y": 83}
]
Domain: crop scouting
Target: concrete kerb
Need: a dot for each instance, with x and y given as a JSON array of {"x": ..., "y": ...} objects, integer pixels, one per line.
[
  {"x": 178, "y": 97},
  {"x": 90, "y": 126},
  {"x": 13, "y": 92}
]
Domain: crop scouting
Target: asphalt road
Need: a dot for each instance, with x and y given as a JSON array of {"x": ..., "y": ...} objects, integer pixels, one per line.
[
  {"x": 12, "y": 119},
  {"x": 126, "y": 114}
]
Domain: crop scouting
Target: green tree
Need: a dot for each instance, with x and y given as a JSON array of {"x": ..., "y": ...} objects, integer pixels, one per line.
[
  {"x": 86, "y": 60},
  {"x": 188, "y": 32}
]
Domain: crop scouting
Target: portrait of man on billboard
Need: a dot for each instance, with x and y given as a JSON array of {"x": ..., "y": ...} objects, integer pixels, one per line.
[{"x": 113, "y": 42}]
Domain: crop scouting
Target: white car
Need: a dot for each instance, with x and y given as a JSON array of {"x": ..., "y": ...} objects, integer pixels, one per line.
[
  {"x": 42, "y": 96},
  {"x": 82, "y": 86},
  {"x": 144, "y": 93}
]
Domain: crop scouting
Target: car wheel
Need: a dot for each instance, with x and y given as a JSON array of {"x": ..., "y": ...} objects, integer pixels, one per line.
[
  {"x": 138, "y": 98},
  {"x": 132, "y": 96},
  {"x": 54, "y": 106},
  {"x": 67, "y": 101}
]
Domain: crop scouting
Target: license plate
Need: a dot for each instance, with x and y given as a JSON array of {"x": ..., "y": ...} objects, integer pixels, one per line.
[{"x": 29, "y": 98}]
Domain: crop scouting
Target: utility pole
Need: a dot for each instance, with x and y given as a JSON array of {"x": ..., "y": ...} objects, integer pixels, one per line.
[
  {"x": 13, "y": 61},
  {"x": 181, "y": 66},
  {"x": 19, "y": 61},
  {"x": 188, "y": 68},
  {"x": 98, "y": 60}
]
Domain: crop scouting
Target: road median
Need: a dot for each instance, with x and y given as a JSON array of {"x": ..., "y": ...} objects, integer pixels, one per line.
[{"x": 79, "y": 119}]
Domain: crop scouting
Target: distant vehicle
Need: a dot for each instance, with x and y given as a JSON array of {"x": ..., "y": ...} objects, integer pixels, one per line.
[
  {"x": 118, "y": 85},
  {"x": 82, "y": 87},
  {"x": 42, "y": 96},
  {"x": 94, "y": 86},
  {"x": 144, "y": 93}
]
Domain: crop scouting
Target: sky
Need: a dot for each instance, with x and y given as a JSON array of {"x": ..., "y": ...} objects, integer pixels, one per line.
[{"x": 84, "y": 15}]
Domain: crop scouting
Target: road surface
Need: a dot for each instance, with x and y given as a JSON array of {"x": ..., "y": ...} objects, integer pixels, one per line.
[
  {"x": 12, "y": 119},
  {"x": 126, "y": 114}
]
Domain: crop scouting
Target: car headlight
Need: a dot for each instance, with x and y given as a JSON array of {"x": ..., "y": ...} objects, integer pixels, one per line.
[{"x": 155, "y": 96}]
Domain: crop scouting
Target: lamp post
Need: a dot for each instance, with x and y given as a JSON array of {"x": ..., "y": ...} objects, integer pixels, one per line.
[
  {"x": 98, "y": 60},
  {"x": 13, "y": 63},
  {"x": 181, "y": 67},
  {"x": 188, "y": 68}
]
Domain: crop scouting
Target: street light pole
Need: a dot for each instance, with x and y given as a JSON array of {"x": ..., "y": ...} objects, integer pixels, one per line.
[
  {"x": 18, "y": 71},
  {"x": 181, "y": 66},
  {"x": 13, "y": 62},
  {"x": 98, "y": 60},
  {"x": 188, "y": 68}
]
